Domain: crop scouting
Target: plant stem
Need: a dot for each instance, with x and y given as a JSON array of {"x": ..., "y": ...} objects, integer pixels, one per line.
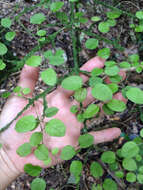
[{"x": 74, "y": 40}]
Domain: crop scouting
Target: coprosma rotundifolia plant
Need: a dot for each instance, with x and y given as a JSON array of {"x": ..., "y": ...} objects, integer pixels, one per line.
[{"x": 126, "y": 162}]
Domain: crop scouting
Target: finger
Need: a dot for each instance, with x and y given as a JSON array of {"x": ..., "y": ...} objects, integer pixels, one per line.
[
  {"x": 88, "y": 66},
  {"x": 28, "y": 78},
  {"x": 105, "y": 135}
]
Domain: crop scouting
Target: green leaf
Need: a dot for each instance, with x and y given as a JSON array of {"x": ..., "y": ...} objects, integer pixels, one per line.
[
  {"x": 32, "y": 170},
  {"x": 95, "y": 80},
  {"x": 74, "y": 109},
  {"x": 131, "y": 177},
  {"x": 80, "y": 94},
  {"x": 26, "y": 91},
  {"x": 0, "y": 145},
  {"x": 67, "y": 153},
  {"x": 134, "y": 58},
  {"x": 49, "y": 76},
  {"x": 72, "y": 83},
  {"x": 42, "y": 152},
  {"x": 56, "y": 6},
  {"x": 17, "y": 89},
  {"x": 37, "y": 18},
  {"x": 96, "y": 170},
  {"x": 91, "y": 43},
  {"x": 103, "y": 27},
  {"x": 139, "y": 14},
  {"x": 56, "y": 58},
  {"x": 36, "y": 138},
  {"x": 125, "y": 65},
  {"x": 9, "y": 36},
  {"x": 110, "y": 63},
  {"x": 41, "y": 32},
  {"x": 38, "y": 184},
  {"x": 99, "y": 90},
  {"x": 108, "y": 157},
  {"x": 34, "y": 61},
  {"x": 76, "y": 168},
  {"x": 5, "y": 94},
  {"x": 116, "y": 105},
  {"x": 55, "y": 127},
  {"x": 141, "y": 133},
  {"x": 135, "y": 95},
  {"x": 129, "y": 150},
  {"x": 140, "y": 178},
  {"x": 49, "y": 112},
  {"x": 115, "y": 79},
  {"x": 6, "y": 22},
  {"x": 24, "y": 150},
  {"x": 139, "y": 69},
  {"x": 138, "y": 157},
  {"x": 109, "y": 184},
  {"x": 107, "y": 110},
  {"x": 113, "y": 14},
  {"x": 113, "y": 87},
  {"x": 104, "y": 53},
  {"x": 96, "y": 72},
  {"x": 2, "y": 65},
  {"x": 119, "y": 174},
  {"x": 55, "y": 151},
  {"x": 85, "y": 140},
  {"x": 111, "y": 22},
  {"x": 112, "y": 71},
  {"x": 95, "y": 18},
  {"x": 129, "y": 164},
  {"x": 91, "y": 111},
  {"x": 25, "y": 124},
  {"x": 3, "y": 49}
]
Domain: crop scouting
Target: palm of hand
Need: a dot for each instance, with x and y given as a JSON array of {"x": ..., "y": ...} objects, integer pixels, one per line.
[{"x": 58, "y": 98}]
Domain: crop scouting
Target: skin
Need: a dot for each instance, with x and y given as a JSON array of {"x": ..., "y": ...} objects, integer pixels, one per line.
[{"x": 59, "y": 98}]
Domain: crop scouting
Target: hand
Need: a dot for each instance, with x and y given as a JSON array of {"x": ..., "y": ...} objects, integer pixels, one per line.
[{"x": 59, "y": 98}]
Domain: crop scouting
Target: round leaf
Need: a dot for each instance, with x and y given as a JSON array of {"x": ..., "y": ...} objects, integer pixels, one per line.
[
  {"x": 42, "y": 152},
  {"x": 38, "y": 184},
  {"x": 76, "y": 167},
  {"x": 49, "y": 76},
  {"x": 25, "y": 124},
  {"x": 34, "y": 61},
  {"x": 37, "y": 18},
  {"x": 56, "y": 6},
  {"x": 116, "y": 105},
  {"x": 91, "y": 111},
  {"x": 135, "y": 95},
  {"x": 56, "y": 128},
  {"x": 129, "y": 164},
  {"x": 109, "y": 184},
  {"x": 10, "y": 36},
  {"x": 113, "y": 87},
  {"x": 49, "y": 112},
  {"x": 129, "y": 150},
  {"x": 113, "y": 14},
  {"x": 103, "y": 27},
  {"x": 24, "y": 150},
  {"x": 67, "y": 153},
  {"x": 139, "y": 14},
  {"x": 108, "y": 157},
  {"x": 32, "y": 170},
  {"x": 96, "y": 170},
  {"x": 72, "y": 83},
  {"x": 6, "y": 22},
  {"x": 80, "y": 94},
  {"x": 41, "y": 32},
  {"x": 104, "y": 53},
  {"x": 131, "y": 177},
  {"x": 2, "y": 65},
  {"x": 3, "y": 49},
  {"x": 85, "y": 140},
  {"x": 112, "y": 71},
  {"x": 36, "y": 138},
  {"x": 99, "y": 90},
  {"x": 140, "y": 178},
  {"x": 91, "y": 43}
]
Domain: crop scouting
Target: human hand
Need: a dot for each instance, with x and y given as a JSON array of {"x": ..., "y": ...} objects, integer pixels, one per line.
[{"x": 59, "y": 98}]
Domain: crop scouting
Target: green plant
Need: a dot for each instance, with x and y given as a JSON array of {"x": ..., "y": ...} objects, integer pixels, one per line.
[{"x": 129, "y": 156}]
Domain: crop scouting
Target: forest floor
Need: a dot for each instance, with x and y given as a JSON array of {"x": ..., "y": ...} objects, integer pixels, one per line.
[{"x": 58, "y": 177}]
